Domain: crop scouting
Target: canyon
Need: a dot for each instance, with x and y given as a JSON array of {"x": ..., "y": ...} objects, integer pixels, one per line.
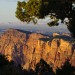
[{"x": 27, "y": 48}]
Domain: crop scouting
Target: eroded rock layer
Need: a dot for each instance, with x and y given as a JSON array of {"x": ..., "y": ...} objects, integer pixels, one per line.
[{"x": 27, "y": 48}]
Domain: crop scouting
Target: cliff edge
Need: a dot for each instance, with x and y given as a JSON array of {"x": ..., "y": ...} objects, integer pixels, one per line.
[{"x": 28, "y": 48}]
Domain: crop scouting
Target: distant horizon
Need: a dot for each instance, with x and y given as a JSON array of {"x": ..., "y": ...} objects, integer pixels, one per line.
[
  {"x": 8, "y": 19},
  {"x": 40, "y": 28}
]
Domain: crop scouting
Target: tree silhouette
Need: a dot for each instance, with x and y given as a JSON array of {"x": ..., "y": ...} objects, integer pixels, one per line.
[
  {"x": 42, "y": 68},
  {"x": 66, "y": 69},
  {"x": 9, "y": 68},
  {"x": 3, "y": 61},
  {"x": 39, "y": 9}
]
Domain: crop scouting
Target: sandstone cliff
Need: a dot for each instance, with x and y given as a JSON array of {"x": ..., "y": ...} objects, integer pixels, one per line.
[{"x": 27, "y": 48}]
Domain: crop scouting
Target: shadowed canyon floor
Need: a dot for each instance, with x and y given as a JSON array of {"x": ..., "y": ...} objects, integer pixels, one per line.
[{"x": 28, "y": 48}]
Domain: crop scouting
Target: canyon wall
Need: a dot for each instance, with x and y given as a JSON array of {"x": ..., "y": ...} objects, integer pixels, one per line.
[{"x": 28, "y": 48}]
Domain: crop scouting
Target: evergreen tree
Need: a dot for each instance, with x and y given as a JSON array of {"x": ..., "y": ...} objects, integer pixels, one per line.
[
  {"x": 42, "y": 68},
  {"x": 66, "y": 69},
  {"x": 32, "y": 10}
]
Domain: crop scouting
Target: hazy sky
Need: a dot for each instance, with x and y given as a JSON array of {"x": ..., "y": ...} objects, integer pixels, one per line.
[
  {"x": 7, "y": 11},
  {"x": 7, "y": 15}
]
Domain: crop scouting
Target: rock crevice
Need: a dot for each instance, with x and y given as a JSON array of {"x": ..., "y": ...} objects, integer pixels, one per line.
[{"x": 28, "y": 48}]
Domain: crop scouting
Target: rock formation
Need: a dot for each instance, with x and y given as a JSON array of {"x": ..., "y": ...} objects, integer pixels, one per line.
[{"x": 28, "y": 48}]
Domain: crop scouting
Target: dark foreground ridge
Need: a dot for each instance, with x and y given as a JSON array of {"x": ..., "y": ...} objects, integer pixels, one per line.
[{"x": 41, "y": 68}]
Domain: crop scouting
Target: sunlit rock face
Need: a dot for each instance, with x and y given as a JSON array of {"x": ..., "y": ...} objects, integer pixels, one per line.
[{"x": 28, "y": 48}]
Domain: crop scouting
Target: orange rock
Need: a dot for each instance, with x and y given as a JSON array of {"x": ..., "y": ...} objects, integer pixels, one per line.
[{"x": 27, "y": 49}]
